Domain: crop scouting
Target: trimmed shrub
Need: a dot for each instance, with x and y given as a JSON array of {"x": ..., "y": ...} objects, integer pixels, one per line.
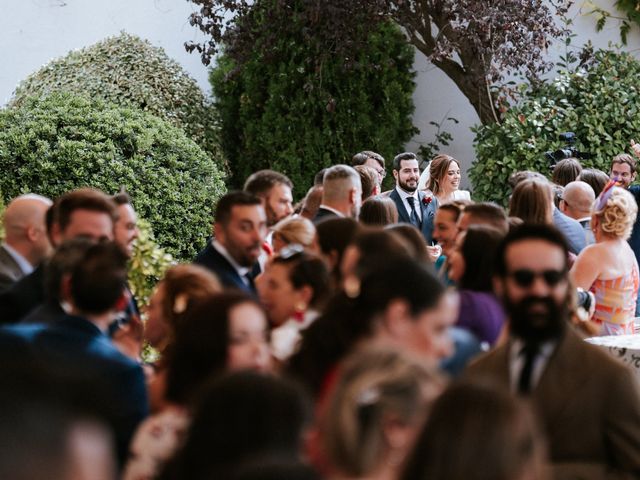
[
  {"x": 149, "y": 263},
  {"x": 128, "y": 71},
  {"x": 599, "y": 102},
  {"x": 281, "y": 110},
  {"x": 62, "y": 142}
]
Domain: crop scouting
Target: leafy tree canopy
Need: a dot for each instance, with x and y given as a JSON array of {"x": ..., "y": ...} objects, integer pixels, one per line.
[{"x": 475, "y": 42}]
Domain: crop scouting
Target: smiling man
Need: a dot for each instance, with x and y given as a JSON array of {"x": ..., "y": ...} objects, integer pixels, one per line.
[
  {"x": 239, "y": 231},
  {"x": 413, "y": 206},
  {"x": 570, "y": 382}
]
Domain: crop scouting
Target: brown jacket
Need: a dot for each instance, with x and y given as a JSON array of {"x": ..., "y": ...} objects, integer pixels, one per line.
[{"x": 589, "y": 407}]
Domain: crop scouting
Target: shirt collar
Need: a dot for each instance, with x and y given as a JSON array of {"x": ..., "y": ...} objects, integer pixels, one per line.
[
  {"x": 22, "y": 262},
  {"x": 340, "y": 214},
  {"x": 242, "y": 271},
  {"x": 404, "y": 195},
  {"x": 545, "y": 350}
]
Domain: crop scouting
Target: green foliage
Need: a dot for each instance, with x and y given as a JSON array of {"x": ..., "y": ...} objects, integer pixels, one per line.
[
  {"x": 2, "y": 206},
  {"x": 128, "y": 71},
  {"x": 598, "y": 102},
  {"x": 283, "y": 111},
  {"x": 149, "y": 263},
  {"x": 61, "y": 142}
]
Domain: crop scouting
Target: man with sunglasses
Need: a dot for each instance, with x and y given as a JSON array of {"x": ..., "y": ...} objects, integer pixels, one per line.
[{"x": 588, "y": 403}]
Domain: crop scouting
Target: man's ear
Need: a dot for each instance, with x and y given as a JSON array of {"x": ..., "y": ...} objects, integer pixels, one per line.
[
  {"x": 218, "y": 232},
  {"x": 353, "y": 195},
  {"x": 397, "y": 318},
  {"x": 56, "y": 234},
  {"x": 563, "y": 206},
  {"x": 395, "y": 173},
  {"x": 633, "y": 177}
]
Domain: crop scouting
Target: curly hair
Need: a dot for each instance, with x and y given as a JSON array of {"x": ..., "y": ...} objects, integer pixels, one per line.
[{"x": 617, "y": 217}]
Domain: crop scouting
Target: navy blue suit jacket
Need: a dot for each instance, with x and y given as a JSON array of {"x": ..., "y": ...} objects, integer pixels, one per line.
[
  {"x": 323, "y": 214},
  {"x": 212, "y": 259},
  {"x": 428, "y": 209},
  {"x": 74, "y": 344}
]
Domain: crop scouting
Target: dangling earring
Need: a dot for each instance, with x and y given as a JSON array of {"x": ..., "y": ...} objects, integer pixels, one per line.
[{"x": 300, "y": 310}]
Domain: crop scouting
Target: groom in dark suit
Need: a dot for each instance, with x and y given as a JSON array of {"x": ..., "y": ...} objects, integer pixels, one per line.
[
  {"x": 414, "y": 207},
  {"x": 240, "y": 229}
]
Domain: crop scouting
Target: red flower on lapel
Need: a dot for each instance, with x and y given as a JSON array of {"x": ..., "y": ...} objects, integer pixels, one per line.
[{"x": 426, "y": 200}]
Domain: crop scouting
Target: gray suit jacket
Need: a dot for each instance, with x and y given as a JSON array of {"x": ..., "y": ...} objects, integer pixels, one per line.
[
  {"x": 571, "y": 229},
  {"x": 589, "y": 406},
  {"x": 10, "y": 271}
]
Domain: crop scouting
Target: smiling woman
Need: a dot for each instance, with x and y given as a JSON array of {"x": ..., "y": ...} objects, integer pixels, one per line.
[{"x": 444, "y": 179}]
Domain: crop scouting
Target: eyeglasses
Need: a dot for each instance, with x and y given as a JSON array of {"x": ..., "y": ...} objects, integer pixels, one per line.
[
  {"x": 382, "y": 173},
  {"x": 525, "y": 278}
]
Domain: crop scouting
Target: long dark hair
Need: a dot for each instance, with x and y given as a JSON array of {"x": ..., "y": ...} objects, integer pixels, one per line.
[
  {"x": 479, "y": 252},
  {"x": 349, "y": 319},
  {"x": 201, "y": 345}
]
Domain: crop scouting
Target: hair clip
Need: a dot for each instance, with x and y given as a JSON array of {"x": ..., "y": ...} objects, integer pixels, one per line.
[
  {"x": 603, "y": 198},
  {"x": 180, "y": 303},
  {"x": 290, "y": 251},
  {"x": 368, "y": 397}
]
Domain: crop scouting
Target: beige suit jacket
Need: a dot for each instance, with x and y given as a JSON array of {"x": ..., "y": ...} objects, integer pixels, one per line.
[{"x": 589, "y": 406}]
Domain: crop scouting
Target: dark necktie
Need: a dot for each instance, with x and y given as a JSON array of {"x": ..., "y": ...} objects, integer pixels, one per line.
[
  {"x": 530, "y": 352},
  {"x": 413, "y": 216}
]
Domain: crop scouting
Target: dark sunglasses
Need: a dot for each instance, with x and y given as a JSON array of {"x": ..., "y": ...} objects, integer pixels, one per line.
[{"x": 525, "y": 278}]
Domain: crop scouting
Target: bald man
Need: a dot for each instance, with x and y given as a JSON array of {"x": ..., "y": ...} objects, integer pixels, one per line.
[
  {"x": 26, "y": 242},
  {"x": 577, "y": 200}
]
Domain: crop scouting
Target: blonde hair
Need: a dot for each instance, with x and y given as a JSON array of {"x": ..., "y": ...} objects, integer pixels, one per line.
[
  {"x": 619, "y": 214},
  {"x": 372, "y": 385},
  {"x": 438, "y": 169},
  {"x": 295, "y": 230}
]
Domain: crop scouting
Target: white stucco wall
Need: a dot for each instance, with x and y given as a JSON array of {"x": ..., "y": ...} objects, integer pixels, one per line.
[{"x": 32, "y": 32}]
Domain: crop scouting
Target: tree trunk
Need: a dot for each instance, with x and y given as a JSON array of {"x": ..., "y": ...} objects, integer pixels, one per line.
[{"x": 474, "y": 87}]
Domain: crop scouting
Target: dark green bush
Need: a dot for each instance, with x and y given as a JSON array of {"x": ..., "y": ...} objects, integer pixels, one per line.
[
  {"x": 282, "y": 110},
  {"x": 599, "y": 102},
  {"x": 62, "y": 142},
  {"x": 128, "y": 71}
]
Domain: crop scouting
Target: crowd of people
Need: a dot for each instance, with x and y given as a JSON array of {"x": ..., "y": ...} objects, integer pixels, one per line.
[{"x": 359, "y": 333}]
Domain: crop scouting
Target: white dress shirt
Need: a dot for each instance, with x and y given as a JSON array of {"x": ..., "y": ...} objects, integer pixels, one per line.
[
  {"x": 404, "y": 195},
  {"x": 516, "y": 362}
]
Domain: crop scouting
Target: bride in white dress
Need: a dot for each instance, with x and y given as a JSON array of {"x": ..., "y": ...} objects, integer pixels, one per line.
[{"x": 442, "y": 179}]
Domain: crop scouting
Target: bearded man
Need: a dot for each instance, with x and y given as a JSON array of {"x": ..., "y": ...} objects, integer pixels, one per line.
[
  {"x": 414, "y": 207},
  {"x": 588, "y": 403}
]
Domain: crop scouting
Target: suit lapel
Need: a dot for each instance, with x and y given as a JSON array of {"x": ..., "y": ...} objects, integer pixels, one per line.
[
  {"x": 428, "y": 209},
  {"x": 9, "y": 264},
  {"x": 552, "y": 393},
  {"x": 403, "y": 216}
]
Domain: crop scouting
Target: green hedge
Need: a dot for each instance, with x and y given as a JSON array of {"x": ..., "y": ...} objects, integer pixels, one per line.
[
  {"x": 128, "y": 71},
  {"x": 282, "y": 111},
  {"x": 61, "y": 142},
  {"x": 599, "y": 102}
]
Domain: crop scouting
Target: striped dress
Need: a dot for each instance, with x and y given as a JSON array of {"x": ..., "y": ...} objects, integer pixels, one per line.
[{"x": 616, "y": 303}]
